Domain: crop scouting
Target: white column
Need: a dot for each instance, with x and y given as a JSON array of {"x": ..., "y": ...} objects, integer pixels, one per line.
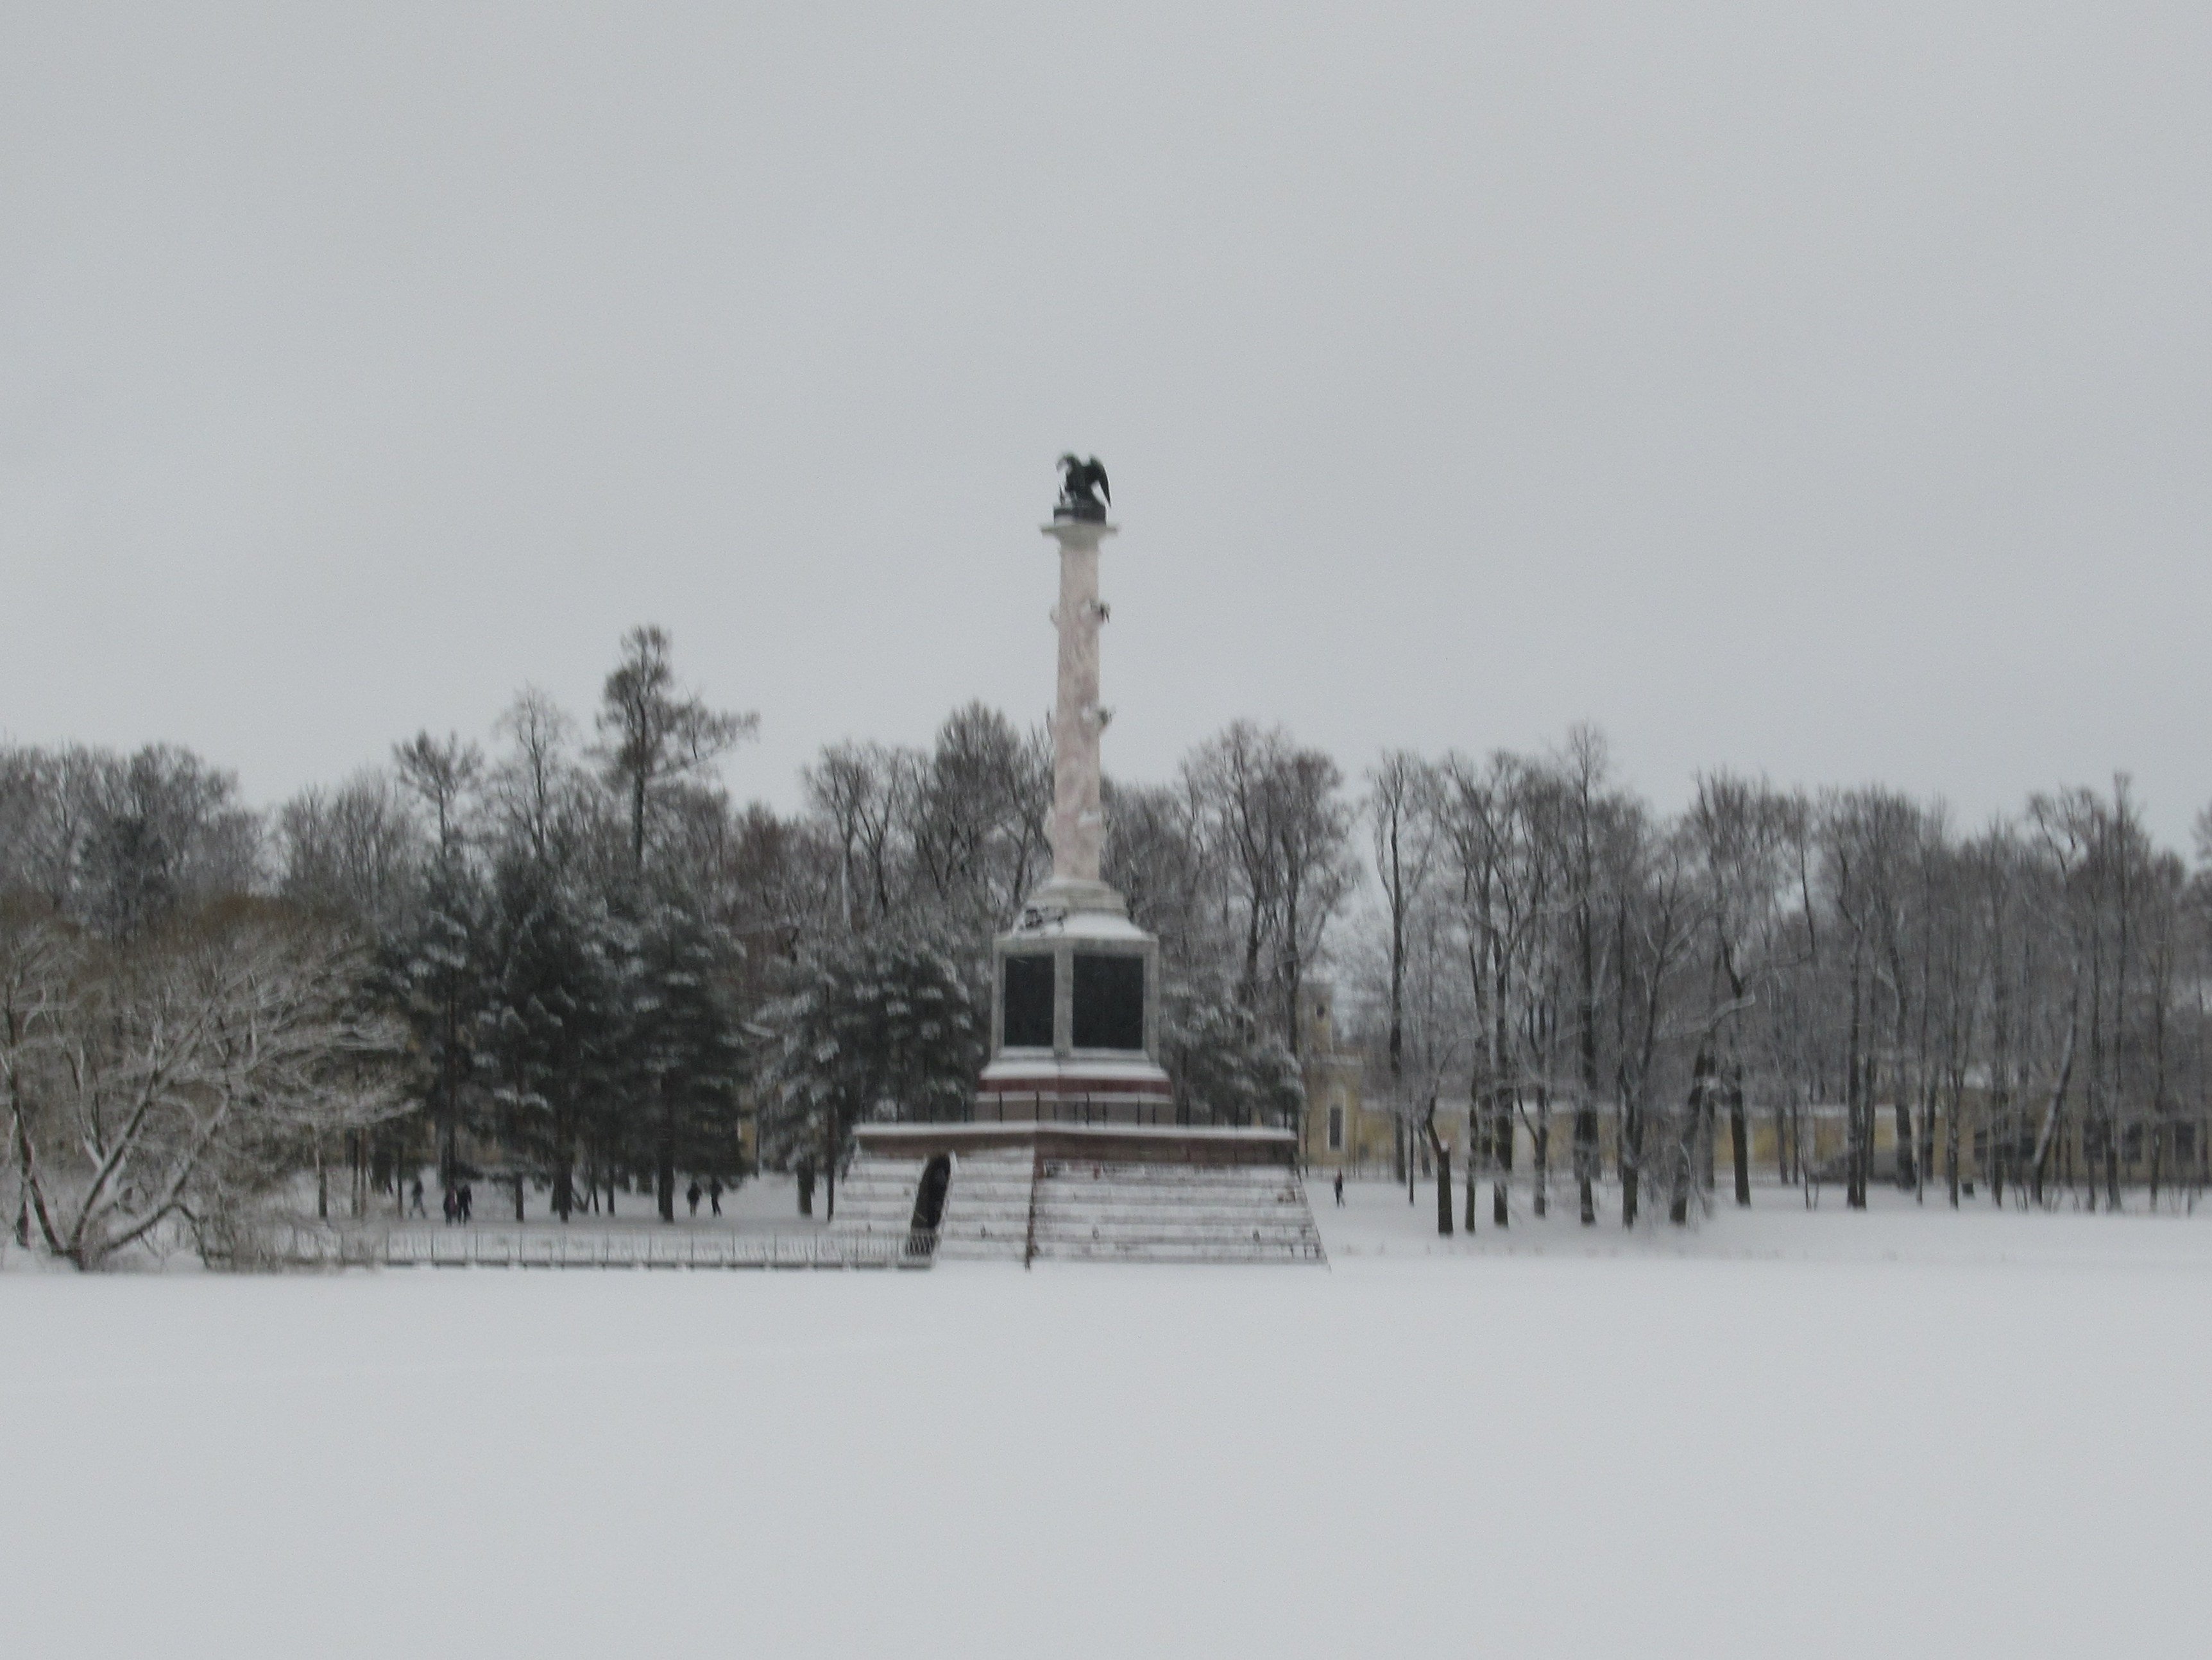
[{"x": 1077, "y": 827}]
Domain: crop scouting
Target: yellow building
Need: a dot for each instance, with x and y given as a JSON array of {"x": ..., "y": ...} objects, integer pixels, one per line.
[{"x": 1340, "y": 1131}]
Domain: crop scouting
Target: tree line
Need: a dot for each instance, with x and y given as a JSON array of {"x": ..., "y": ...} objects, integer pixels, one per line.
[
  {"x": 565, "y": 961},
  {"x": 1623, "y": 991}
]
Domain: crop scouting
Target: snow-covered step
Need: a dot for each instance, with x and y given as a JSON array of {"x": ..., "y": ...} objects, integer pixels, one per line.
[
  {"x": 1128, "y": 1219},
  {"x": 876, "y": 1196},
  {"x": 1175, "y": 1177},
  {"x": 1114, "y": 1193},
  {"x": 1104, "y": 1212},
  {"x": 1283, "y": 1248},
  {"x": 1308, "y": 1250},
  {"x": 1049, "y": 1221},
  {"x": 986, "y": 1208},
  {"x": 1138, "y": 1193},
  {"x": 1007, "y": 1205},
  {"x": 1209, "y": 1212}
]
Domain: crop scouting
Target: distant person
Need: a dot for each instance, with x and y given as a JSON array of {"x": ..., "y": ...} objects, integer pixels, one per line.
[
  {"x": 418, "y": 1209},
  {"x": 715, "y": 1194},
  {"x": 1340, "y": 1189},
  {"x": 468, "y": 1202},
  {"x": 691, "y": 1192},
  {"x": 452, "y": 1208}
]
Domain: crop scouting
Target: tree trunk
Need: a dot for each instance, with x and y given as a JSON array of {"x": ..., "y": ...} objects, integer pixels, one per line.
[
  {"x": 2053, "y": 1113},
  {"x": 1740, "y": 1135},
  {"x": 1442, "y": 1154},
  {"x": 1586, "y": 1045},
  {"x": 1856, "y": 1110},
  {"x": 1682, "y": 1156},
  {"x": 1585, "y": 1151},
  {"x": 1501, "y": 1130},
  {"x": 1926, "y": 1162},
  {"x": 1631, "y": 1161},
  {"x": 1951, "y": 1144},
  {"x": 1540, "y": 1152}
]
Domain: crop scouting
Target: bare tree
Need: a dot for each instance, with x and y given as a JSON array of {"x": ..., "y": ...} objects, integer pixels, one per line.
[
  {"x": 1403, "y": 801},
  {"x": 179, "y": 1078},
  {"x": 652, "y": 733},
  {"x": 862, "y": 793}
]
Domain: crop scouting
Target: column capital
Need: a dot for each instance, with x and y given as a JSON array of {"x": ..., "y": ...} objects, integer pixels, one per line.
[{"x": 1074, "y": 533}]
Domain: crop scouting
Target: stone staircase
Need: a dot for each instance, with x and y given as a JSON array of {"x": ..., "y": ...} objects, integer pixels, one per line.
[
  {"x": 1098, "y": 1212},
  {"x": 986, "y": 1208},
  {"x": 1011, "y": 1204},
  {"x": 876, "y": 1198}
]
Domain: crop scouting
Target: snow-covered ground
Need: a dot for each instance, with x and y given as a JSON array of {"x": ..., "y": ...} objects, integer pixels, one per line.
[{"x": 1790, "y": 1434}]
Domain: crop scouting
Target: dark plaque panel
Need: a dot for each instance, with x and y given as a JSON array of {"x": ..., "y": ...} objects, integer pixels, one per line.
[
  {"x": 1109, "y": 1002},
  {"x": 1028, "y": 1002}
]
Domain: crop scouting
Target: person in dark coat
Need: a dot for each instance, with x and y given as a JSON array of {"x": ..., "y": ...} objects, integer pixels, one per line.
[
  {"x": 452, "y": 1208},
  {"x": 419, "y": 1211},
  {"x": 691, "y": 1192},
  {"x": 468, "y": 1202},
  {"x": 1339, "y": 1187},
  {"x": 715, "y": 1194}
]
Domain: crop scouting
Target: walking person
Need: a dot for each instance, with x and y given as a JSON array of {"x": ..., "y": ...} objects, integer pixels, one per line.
[
  {"x": 453, "y": 1202},
  {"x": 1340, "y": 1189},
  {"x": 418, "y": 1209},
  {"x": 691, "y": 1192},
  {"x": 715, "y": 1194},
  {"x": 468, "y": 1202}
]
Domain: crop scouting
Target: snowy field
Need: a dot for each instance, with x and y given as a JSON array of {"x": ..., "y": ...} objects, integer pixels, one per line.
[{"x": 1789, "y": 1433}]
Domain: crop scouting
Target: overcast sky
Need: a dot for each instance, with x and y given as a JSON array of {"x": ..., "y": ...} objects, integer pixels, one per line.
[{"x": 1822, "y": 390}]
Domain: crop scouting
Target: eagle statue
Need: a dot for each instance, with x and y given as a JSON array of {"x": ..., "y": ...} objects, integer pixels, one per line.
[{"x": 1083, "y": 491}]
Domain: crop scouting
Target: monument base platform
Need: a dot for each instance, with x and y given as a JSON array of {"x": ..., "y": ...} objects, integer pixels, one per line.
[
  {"x": 1030, "y": 1191},
  {"x": 1045, "y": 1090}
]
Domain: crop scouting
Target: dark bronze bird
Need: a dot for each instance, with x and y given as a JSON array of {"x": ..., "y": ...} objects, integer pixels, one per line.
[{"x": 1083, "y": 492}]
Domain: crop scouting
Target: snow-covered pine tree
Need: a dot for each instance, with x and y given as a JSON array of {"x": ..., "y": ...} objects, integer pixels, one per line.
[
  {"x": 877, "y": 1028},
  {"x": 681, "y": 1048},
  {"x": 548, "y": 1028}
]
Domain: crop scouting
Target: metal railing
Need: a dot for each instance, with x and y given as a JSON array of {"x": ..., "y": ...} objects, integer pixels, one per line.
[{"x": 310, "y": 1245}]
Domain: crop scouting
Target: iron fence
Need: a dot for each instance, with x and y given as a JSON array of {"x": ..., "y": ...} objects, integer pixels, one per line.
[{"x": 311, "y": 1245}]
